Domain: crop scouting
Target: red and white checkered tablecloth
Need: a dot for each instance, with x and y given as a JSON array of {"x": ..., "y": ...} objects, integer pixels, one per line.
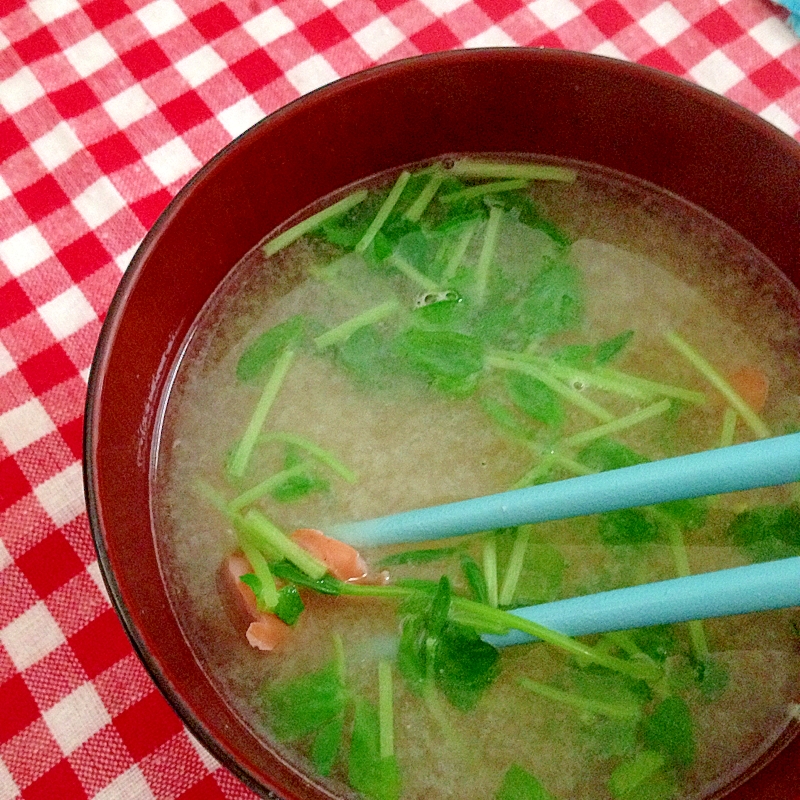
[{"x": 106, "y": 108}]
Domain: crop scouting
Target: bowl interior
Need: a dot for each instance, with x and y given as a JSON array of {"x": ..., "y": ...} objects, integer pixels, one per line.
[{"x": 562, "y": 104}]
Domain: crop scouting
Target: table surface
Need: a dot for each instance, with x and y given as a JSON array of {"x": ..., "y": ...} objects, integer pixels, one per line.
[{"x": 107, "y": 108}]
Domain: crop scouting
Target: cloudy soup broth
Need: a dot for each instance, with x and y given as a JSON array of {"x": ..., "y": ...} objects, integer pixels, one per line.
[{"x": 453, "y": 330}]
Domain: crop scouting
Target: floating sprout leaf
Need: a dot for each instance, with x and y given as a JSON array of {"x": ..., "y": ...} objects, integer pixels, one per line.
[
  {"x": 612, "y": 347},
  {"x": 290, "y": 606},
  {"x": 669, "y": 731},
  {"x": 375, "y": 777},
  {"x": 518, "y": 784},
  {"x": 264, "y": 351},
  {"x": 424, "y": 556},
  {"x": 300, "y": 706},
  {"x": 555, "y": 301},
  {"x": 767, "y": 532},
  {"x": 626, "y": 526},
  {"x": 327, "y": 744},
  {"x": 534, "y": 398}
]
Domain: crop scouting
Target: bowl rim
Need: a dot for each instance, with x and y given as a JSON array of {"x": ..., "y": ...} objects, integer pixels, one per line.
[{"x": 130, "y": 279}]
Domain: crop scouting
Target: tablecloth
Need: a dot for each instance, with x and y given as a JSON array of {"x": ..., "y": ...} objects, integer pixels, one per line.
[{"x": 107, "y": 107}]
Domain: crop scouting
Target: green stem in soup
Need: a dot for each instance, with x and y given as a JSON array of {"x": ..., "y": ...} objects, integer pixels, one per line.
[
  {"x": 405, "y": 267},
  {"x": 649, "y": 387},
  {"x": 264, "y": 534},
  {"x": 469, "y": 168},
  {"x": 471, "y": 192},
  {"x": 417, "y": 208},
  {"x": 385, "y": 709},
  {"x": 323, "y": 456},
  {"x": 383, "y": 212},
  {"x": 593, "y": 706},
  {"x": 567, "y": 392},
  {"x": 756, "y": 424},
  {"x": 265, "y": 487},
  {"x": 727, "y": 434},
  {"x": 314, "y": 221},
  {"x": 617, "y": 425},
  {"x": 346, "y": 329},
  {"x": 489, "y": 552},
  {"x": 240, "y": 458},
  {"x": 459, "y": 251},
  {"x": 514, "y": 568}
]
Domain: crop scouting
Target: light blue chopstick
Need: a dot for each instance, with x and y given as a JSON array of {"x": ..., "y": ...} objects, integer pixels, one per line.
[
  {"x": 758, "y": 587},
  {"x": 768, "y": 462}
]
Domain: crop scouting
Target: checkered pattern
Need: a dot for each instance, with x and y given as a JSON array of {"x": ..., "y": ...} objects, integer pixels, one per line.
[{"x": 106, "y": 108}]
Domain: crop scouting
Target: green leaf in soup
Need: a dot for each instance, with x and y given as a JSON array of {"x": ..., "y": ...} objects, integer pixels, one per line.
[
  {"x": 712, "y": 678},
  {"x": 555, "y": 301},
  {"x": 465, "y": 666},
  {"x": 264, "y": 350},
  {"x": 626, "y": 526},
  {"x": 689, "y": 514},
  {"x": 299, "y": 486},
  {"x": 290, "y": 606},
  {"x": 366, "y": 354},
  {"x": 441, "y": 354},
  {"x": 299, "y": 706},
  {"x": 605, "y": 454},
  {"x": 326, "y": 745},
  {"x": 475, "y": 579},
  {"x": 412, "y": 655},
  {"x": 657, "y": 641},
  {"x": 375, "y": 777},
  {"x": 347, "y": 229},
  {"x": 641, "y": 779},
  {"x": 573, "y": 355},
  {"x": 767, "y": 529},
  {"x": 418, "y": 249},
  {"x": 669, "y": 731},
  {"x": 287, "y": 571},
  {"x": 534, "y": 398},
  {"x": 612, "y": 347},
  {"x": 449, "y": 314},
  {"x": 518, "y": 784},
  {"x": 528, "y": 214}
]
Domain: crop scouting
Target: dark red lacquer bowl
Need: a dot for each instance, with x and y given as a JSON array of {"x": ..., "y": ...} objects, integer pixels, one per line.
[{"x": 625, "y": 117}]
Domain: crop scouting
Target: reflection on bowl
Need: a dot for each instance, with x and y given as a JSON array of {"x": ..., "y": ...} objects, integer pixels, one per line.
[{"x": 557, "y": 105}]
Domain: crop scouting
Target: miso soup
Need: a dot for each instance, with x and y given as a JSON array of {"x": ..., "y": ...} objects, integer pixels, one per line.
[{"x": 452, "y": 330}]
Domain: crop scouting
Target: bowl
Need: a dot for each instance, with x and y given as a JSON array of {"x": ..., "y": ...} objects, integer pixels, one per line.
[{"x": 563, "y": 104}]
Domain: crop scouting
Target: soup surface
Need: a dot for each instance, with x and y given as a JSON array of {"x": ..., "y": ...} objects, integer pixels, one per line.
[{"x": 459, "y": 329}]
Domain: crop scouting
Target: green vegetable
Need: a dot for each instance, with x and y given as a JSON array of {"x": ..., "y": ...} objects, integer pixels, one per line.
[
  {"x": 475, "y": 580},
  {"x": 669, "y": 731},
  {"x": 555, "y": 301},
  {"x": 767, "y": 533},
  {"x": 264, "y": 351},
  {"x": 521, "y": 785},
  {"x": 298, "y": 485},
  {"x": 448, "y": 654},
  {"x": 327, "y": 744},
  {"x": 327, "y": 215},
  {"x": 375, "y": 777},
  {"x": 290, "y": 606},
  {"x": 304, "y": 705},
  {"x": 451, "y": 360},
  {"x": 626, "y": 526},
  {"x": 611, "y": 348},
  {"x": 641, "y": 778},
  {"x": 240, "y": 458},
  {"x": 534, "y": 398},
  {"x": 424, "y": 556}
]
